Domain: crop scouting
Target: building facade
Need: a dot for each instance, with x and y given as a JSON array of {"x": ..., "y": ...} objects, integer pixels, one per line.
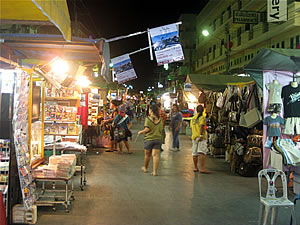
[{"x": 244, "y": 40}]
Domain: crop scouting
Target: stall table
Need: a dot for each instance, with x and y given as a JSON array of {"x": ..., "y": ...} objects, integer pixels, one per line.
[
  {"x": 49, "y": 197},
  {"x": 82, "y": 165}
]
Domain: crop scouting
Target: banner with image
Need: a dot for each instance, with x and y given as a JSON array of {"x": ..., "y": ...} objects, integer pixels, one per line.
[
  {"x": 166, "y": 44},
  {"x": 123, "y": 68}
]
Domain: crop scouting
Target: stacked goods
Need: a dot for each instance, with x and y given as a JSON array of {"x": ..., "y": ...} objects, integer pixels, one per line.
[
  {"x": 22, "y": 215},
  {"x": 62, "y": 166},
  {"x": 45, "y": 171},
  {"x": 65, "y": 164}
]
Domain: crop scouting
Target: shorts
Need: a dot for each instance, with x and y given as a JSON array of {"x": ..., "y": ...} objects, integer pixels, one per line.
[
  {"x": 199, "y": 147},
  {"x": 274, "y": 108},
  {"x": 290, "y": 125},
  {"x": 152, "y": 144}
]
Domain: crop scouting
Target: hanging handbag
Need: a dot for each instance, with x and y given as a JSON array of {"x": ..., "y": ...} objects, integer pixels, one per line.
[
  {"x": 253, "y": 117},
  {"x": 202, "y": 98}
]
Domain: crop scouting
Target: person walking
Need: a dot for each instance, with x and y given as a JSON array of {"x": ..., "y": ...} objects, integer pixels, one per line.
[
  {"x": 199, "y": 145},
  {"x": 176, "y": 122},
  {"x": 108, "y": 123},
  {"x": 122, "y": 124},
  {"x": 163, "y": 116},
  {"x": 153, "y": 129}
]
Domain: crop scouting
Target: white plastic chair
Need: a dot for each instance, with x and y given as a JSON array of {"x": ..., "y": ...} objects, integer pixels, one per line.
[{"x": 271, "y": 202}]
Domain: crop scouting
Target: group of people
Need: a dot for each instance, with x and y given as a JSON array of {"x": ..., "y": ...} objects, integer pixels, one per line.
[{"x": 154, "y": 133}]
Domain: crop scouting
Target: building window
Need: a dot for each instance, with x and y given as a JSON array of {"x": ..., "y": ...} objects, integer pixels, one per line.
[
  {"x": 297, "y": 41},
  {"x": 251, "y": 55},
  {"x": 291, "y": 43},
  {"x": 245, "y": 58},
  {"x": 273, "y": 46},
  {"x": 214, "y": 24},
  {"x": 229, "y": 11},
  {"x": 240, "y": 4},
  {"x": 282, "y": 44},
  {"x": 265, "y": 27},
  {"x": 277, "y": 45},
  {"x": 222, "y": 17},
  {"x": 247, "y": 27}
]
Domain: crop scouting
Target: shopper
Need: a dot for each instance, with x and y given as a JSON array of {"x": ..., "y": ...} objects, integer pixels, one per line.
[
  {"x": 139, "y": 113},
  {"x": 108, "y": 123},
  {"x": 199, "y": 145},
  {"x": 122, "y": 125},
  {"x": 176, "y": 122},
  {"x": 153, "y": 138},
  {"x": 163, "y": 116}
]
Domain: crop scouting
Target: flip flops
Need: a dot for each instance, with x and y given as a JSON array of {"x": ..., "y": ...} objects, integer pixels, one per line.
[{"x": 205, "y": 171}]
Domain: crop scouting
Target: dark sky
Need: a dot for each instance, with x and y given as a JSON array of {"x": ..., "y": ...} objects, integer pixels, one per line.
[{"x": 116, "y": 18}]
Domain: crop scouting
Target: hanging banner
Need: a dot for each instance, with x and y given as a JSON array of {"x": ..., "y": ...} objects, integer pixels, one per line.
[
  {"x": 277, "y": 10},
  {"x": 123, "y": 68},
  {"x": 166, "y": 44}
]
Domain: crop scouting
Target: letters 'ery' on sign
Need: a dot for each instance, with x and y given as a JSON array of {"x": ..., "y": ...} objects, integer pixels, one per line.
[{"x": 277, "y": 10}]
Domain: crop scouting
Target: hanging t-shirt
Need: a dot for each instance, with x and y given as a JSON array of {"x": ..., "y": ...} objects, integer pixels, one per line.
[
  {"x": 291, "y": 101},
  {"x": 274, "y": 93},
  {"x": 273, "y": 129}
]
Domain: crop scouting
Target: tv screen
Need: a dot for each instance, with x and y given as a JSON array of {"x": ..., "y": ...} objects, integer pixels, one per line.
[{"x": 36, "y": 101}]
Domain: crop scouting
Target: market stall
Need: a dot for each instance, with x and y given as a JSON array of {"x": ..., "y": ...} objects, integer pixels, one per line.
[
  {"x": 44, "y": 105},
  {"x": 276, "y": 73},
  {"x": 226, "y": 99}
]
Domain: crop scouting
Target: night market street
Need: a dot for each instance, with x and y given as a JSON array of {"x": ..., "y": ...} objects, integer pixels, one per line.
[{"x": 119, "y": 193}]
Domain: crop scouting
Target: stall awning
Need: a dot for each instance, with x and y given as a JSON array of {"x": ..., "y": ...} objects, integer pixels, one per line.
[
  {"x": 40, "y": 48},
  {"x": 273, "y": 59},
  {"x": 37, "y": 12},
  {"x": 217, "y": 82}
]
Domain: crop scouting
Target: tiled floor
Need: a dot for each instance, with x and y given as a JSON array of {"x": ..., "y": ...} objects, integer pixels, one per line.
[{"x": 119, "y": 193}]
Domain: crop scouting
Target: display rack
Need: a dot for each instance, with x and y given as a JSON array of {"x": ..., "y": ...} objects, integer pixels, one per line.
[
  {"x": 21, "y": 133},
  {"x": 94, "y": 101},
  {"x": 4, "y": 170}
]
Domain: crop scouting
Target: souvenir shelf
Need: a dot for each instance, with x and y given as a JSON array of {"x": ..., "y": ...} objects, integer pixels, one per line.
[
  {"x": 61, "y": 113},
  {"x": 4, "y": 169},
  {"x": 94, "y": 103}
]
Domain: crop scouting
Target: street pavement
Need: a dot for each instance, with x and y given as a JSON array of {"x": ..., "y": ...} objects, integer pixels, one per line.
[{"x": 119, "y": 193}]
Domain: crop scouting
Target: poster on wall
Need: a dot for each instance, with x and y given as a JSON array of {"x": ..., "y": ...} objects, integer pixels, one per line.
[
  {"x": 123, "y": 68},
  {"x": 277, "y": 10},
  {"x": 166, "y": 44}
]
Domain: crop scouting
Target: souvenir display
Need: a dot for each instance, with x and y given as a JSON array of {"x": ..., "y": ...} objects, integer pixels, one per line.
[
  {"x": 20, "y": 127},
  {"x": 60, "y": 113}
]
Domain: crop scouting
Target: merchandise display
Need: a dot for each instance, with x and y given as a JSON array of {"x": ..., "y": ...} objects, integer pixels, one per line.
[
  {"x": 55, "y": 112},
  {"x": 62, "y": 166},
  {"x": 4, "y": 169},
  {"x": 62, "y": 92},
  {"x": 20, "y": 128},
  {"x": 240, "y": 142},
  {"x": 93, "y": 108}
]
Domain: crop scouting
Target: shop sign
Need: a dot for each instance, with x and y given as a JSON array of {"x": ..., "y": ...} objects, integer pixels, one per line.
[
  {"x": 246, "y": 17},
  {"x": 123, "y": 68},
  {"x": 277, "y": 10},
  {"x": 166, "y": 44},
  {"x": 188, "y": 87}
]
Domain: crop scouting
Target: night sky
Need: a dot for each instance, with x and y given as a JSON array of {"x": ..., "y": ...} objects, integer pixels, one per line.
[{"x": 115, "y": 18}]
